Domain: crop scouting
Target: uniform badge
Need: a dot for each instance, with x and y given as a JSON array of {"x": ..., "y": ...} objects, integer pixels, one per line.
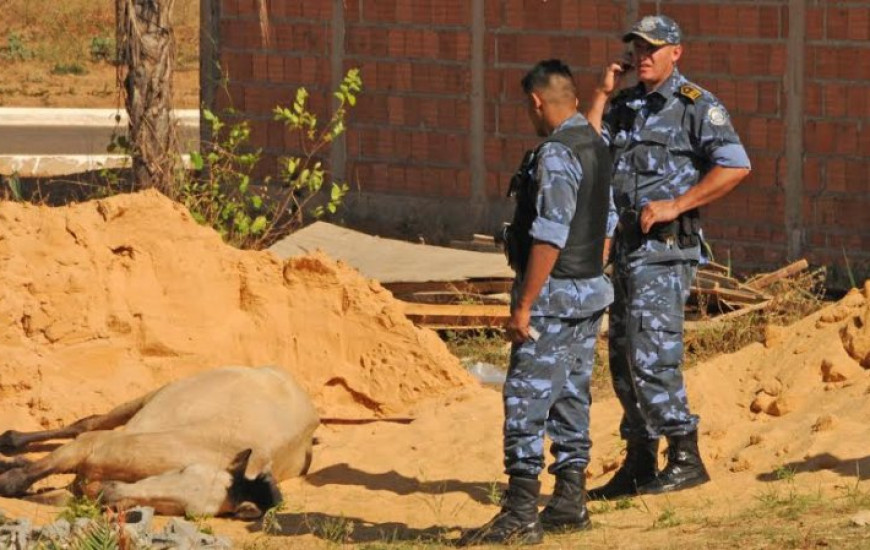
[
  {"x": 647, "y": 24},
  {"x": 717, "y": 116},
  {"x": 691, "y": 92}
]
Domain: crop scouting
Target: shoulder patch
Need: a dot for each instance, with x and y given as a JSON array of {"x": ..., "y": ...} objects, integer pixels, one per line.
[
  {"x": 690, "y": 92},
  {"x": 717, "y": 116}
]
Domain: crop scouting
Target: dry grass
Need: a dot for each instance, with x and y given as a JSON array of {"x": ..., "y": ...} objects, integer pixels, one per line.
[
  {"x": 62, "y": 33},
  {"x": 793, "y": 299},
  {"x": 60, "y": 54}
]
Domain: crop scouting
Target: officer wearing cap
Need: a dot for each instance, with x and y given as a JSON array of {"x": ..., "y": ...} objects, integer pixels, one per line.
[{"x": 674, "y": 150}]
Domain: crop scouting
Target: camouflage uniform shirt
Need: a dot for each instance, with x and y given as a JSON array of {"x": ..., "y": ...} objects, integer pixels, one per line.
[{"x": 663, "y": 142}]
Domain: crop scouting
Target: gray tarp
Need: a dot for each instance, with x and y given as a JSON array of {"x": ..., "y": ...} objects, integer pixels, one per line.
[{"x": 389, "y": 260}]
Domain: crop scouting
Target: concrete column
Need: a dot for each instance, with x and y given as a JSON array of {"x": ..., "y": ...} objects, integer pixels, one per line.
[
  {"x": 794, "y": 117},
  {"x": 477, "y": 132},
  {"x": 338, "y": 151},
  {"x": 209, "y": 59}
]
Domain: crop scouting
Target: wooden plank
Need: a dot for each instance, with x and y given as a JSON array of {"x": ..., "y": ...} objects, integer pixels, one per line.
[
  {"x": 719, "y": 268},
  {"x": 696, "y": 325},
  {"x": 723, "y": 280},
  {"x": 770, "y": 278},
  {"x": 728, "y": 294},
  {"x": 450, "y": 297},
  {"x": 458, "y": 315},
  {"x": 473, "y": 286}
]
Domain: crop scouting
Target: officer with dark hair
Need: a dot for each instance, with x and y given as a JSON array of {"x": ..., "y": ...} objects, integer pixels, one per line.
[
  {"x": 674, "y": 150},
  {"x": 555, "y": 244}
]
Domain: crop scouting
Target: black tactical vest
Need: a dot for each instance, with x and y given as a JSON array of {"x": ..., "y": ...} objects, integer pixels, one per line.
[{"x": 581, "y": 258}]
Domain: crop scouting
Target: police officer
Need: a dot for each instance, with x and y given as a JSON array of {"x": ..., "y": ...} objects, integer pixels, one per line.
[
  {"x": 555, "y": 245},
  {"x": 674, "y": 150}
]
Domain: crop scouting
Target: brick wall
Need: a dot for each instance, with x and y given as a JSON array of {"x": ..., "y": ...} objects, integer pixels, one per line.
[{"x": 441, "y": 124}]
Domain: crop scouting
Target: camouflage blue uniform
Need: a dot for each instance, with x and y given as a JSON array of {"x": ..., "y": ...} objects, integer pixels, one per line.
[
  {"x": 663, "y": 143},
  {"x": 547, "y": 385}
]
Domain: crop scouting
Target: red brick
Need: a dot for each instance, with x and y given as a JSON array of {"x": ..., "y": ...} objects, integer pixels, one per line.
[
  {"x": 846, "y": 138},
  {"x": 815, "y": 22},
  {"x": 229, "y": 8},
  {"x": 396, "y": 42},
  {"x": 856, "y": 102},
  {"x": 837, "y": 23},
  {"x": 770, "y": 18},
  {"x": 769, "y": 98},
  {"x": 834, "y": 100},
  {"x": 858, "y": 26},
  {"x": 812, "y": 175},
  {"x": 247, "y": 7}
]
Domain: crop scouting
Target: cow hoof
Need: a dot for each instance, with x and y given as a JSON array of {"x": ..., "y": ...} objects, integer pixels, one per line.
[
  {"x": 13, "y": 483},
  {"x": 10, "y": 441}
]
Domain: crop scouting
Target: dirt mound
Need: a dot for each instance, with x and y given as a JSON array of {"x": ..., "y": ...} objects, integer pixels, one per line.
[
  {"x": 798, "y": 400},
  {"x": 105, "y": 300}
]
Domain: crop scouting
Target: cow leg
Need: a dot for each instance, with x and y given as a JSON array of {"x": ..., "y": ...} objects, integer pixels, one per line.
[
  {"x": 13, "y": 441},
  {"x": 12, "y": 463},
  {"x": 63, "y": 460}
]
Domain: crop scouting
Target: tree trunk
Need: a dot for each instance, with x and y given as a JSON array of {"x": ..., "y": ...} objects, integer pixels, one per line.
[{"x": 146, "y": 47}]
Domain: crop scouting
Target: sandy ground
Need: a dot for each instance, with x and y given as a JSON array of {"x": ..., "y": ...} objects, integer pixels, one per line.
[{"x": 103, "y": 301}]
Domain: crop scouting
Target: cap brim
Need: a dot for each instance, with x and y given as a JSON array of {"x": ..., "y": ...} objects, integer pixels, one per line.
[{"x": 628, "y": 37}]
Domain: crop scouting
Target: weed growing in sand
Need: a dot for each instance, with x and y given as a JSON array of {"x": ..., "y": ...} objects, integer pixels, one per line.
[
  {"x": 271, "y": 525},
  {"x": 201, "y": 522},
  {"x": 605, "y": 506},
  {"x": 624, "y": 503},
  {"x": 81, "y": 507},
  {"x": 494, "y": 494},
  {"x": 478, "y": 345},
  {"x": 785, "y": 473},
  {"x": 667, "y": 518},
  {"x": 15, "y": 49},
  {"x": 336, "y": 529}
]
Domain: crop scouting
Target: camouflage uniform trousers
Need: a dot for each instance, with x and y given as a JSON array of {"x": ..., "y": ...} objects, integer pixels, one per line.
[
  {"x": 646, "y": 347},
  {"x": 547, "y": 389}
]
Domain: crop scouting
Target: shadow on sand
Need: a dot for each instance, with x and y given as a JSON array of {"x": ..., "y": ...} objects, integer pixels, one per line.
[{"x": 859, "y": 468}]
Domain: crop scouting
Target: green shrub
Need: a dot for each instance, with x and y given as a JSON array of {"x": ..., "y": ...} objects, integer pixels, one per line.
[{"x": 223, "y": 194}]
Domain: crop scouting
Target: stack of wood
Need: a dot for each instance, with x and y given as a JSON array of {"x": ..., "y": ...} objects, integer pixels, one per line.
[{"x": 484, "y": 303}]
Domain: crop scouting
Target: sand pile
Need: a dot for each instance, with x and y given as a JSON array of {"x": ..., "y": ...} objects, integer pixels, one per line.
[{"x": 105, "y": 300}]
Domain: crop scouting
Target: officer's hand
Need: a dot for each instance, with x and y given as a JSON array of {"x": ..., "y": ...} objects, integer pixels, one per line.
[
  {"x": 518, "y": 326},
  {"x": 657, "y": 212},
  {"x": 610, "y": 77}
]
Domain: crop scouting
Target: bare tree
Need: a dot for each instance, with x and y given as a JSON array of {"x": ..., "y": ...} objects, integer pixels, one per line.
[{"x": 146, "y": 50}]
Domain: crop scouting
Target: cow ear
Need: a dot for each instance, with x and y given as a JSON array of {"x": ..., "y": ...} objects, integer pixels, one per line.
[{"x": 240, "y": 464}]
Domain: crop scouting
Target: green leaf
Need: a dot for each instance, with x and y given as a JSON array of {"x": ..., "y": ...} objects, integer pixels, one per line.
[
  {"x": 196, "y": 160},
  {"x": 259, "y": 225}
]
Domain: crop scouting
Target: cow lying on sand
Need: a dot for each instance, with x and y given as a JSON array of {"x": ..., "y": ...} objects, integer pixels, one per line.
[{"x": 213, "y": 444}]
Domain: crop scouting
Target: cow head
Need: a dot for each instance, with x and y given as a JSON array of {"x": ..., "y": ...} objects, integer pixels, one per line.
[{"x": 250, "y": 498}]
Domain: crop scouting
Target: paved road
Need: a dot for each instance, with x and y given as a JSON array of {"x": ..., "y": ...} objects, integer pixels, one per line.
[{"x": 36, "y": 142}]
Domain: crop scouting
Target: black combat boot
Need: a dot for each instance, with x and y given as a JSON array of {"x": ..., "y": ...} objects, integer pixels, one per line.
[
  {"x": 566, "y": 510},
  {"x": 684, "y": 469},
  {"x": 639, "y": 468},
  {"x": 517, "y": 522}
]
